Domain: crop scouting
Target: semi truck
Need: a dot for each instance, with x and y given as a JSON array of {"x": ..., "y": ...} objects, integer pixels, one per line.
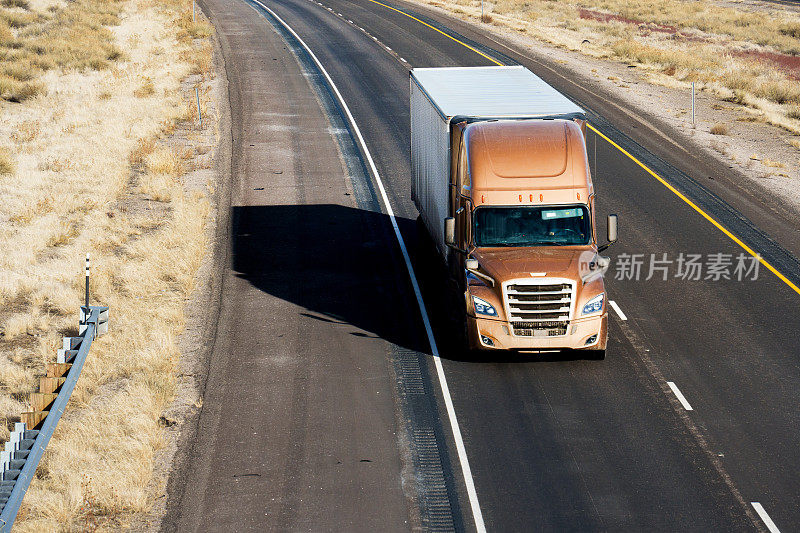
[{"x": 501, "y": 180}]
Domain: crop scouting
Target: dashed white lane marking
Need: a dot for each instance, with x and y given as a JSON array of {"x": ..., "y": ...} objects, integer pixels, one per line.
[
  {"x": 679, "y": 394},
  {"x": 477, "y": 515},
  {"x": 616, "y": 308},
  {"x": 765, "y": 517}
]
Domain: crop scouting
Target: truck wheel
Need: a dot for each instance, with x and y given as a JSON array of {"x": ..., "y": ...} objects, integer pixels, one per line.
[{"x": 458, "y": 346}]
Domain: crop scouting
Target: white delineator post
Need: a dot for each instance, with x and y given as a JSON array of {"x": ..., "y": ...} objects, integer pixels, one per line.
[
  {"x": 85, "y": 309},
  {"x": 199, "y": 115},
  {"x": 87, "y": 282},
  {"x": 692, "y": 104}
]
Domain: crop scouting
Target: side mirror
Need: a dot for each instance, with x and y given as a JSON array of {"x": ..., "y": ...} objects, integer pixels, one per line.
[
  {"x": 472, "y": 266},
  {"x": 450, "y": 232},
  {"x": 612, "y": 233}
]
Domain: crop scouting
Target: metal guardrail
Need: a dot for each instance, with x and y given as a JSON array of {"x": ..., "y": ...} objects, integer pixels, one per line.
[{"x": 25, "y": 446}]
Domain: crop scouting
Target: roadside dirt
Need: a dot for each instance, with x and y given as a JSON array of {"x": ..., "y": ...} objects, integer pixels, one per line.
[
  {"x": 107, "y": 158},
  {"x": 202, "y": 308}
]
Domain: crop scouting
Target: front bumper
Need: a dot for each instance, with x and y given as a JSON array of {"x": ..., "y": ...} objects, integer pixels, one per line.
[{"x": 578, "y": 333}]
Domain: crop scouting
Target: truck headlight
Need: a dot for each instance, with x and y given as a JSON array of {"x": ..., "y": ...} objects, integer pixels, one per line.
[
  {"x": 482, "y": 307},
  {"x": 594, "y": 305}
]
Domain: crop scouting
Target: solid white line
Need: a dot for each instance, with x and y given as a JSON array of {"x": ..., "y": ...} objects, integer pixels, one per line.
[
  {"x": 680, "y": 396},
  {"x": 448, "y": 401},
  {"x": 616, "y": 308},
  {"x": 765, "y": 517}
]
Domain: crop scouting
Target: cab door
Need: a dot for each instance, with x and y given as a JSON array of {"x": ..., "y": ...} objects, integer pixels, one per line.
[
  {"x": 461, "y": 203},
  {"x": 456, "y": 141}
]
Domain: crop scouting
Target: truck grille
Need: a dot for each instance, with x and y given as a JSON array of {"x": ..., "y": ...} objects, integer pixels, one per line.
[{"x": 539, "y": 309}]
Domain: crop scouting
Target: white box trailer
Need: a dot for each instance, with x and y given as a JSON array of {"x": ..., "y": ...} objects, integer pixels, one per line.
[{"x": 441, "y": 96}]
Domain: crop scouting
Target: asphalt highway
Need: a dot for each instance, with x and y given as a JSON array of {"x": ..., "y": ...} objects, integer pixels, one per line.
[{"x": 323, "y": 409}]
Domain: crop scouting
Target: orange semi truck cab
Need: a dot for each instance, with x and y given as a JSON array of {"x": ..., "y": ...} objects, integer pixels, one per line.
[{"x": 501, "y": 179}]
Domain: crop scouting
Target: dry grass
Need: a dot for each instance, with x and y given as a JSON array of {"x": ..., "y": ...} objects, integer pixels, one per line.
[
  {"x": 146, "y": 89},
  {"x": 16, "y": 3},
  {"x": 87, "y": 166},
  {"x": 74, "y": 37},
  {"x": 201, "y": 60},
  {"x": 144, "y": 147},
  {"x": 792, "y": 29},
  {"x": 14, "y": 90},
  {"x": 719, "y": 129},
  {"x": 730, "y": 51},
  {"x": 772, "y": 164},
  {"x": 7, "y": 163},
  {"x": 26, "y": 132}
]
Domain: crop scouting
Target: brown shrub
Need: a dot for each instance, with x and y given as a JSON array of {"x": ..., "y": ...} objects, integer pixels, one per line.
[
  {"x": 15, "y": 19},
  {"x": 719, "y": 129},
  {"x": 147, "y": 89},
  {"x": 18, "y": 91},
  {"x": 792, "y": 29},
  {"x": 197, "y": 29},
  {"x": 7, "y": 163},
  {"x": 144, "y": 147},
  {"x": 165, "y": 161},
  {"x": 6, "y": 37},
  {"x": 779, "y": 91},
  {"x": 21, "y": 70},
  {"x": 17, "y": 3}
]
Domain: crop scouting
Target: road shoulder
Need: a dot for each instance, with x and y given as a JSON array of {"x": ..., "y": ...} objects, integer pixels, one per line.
[{"x": 298, "y": 425}]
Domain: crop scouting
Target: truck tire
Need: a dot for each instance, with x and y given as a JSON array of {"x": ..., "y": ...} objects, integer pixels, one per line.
[{"x": 458, "y": 327}]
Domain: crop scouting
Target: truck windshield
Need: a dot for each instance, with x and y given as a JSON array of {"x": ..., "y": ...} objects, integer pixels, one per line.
[{"x": 532, "y": 226}]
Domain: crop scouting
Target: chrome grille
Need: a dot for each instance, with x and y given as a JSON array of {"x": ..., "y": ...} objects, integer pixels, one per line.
[{"x": 539, "y": 309}]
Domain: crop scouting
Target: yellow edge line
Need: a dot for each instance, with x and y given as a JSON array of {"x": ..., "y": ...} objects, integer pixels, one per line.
[
  {"x": 440, "y": 31},
  {"x": 694, "y": 206}
]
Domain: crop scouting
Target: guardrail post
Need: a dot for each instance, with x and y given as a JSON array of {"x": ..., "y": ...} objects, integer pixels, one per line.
[{"x": 26, "y": 444}]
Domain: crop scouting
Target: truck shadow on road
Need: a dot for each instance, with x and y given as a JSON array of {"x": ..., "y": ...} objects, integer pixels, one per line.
[
  {"x": 342, "y": 266},
  {"x": 336, "y": 262}
]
